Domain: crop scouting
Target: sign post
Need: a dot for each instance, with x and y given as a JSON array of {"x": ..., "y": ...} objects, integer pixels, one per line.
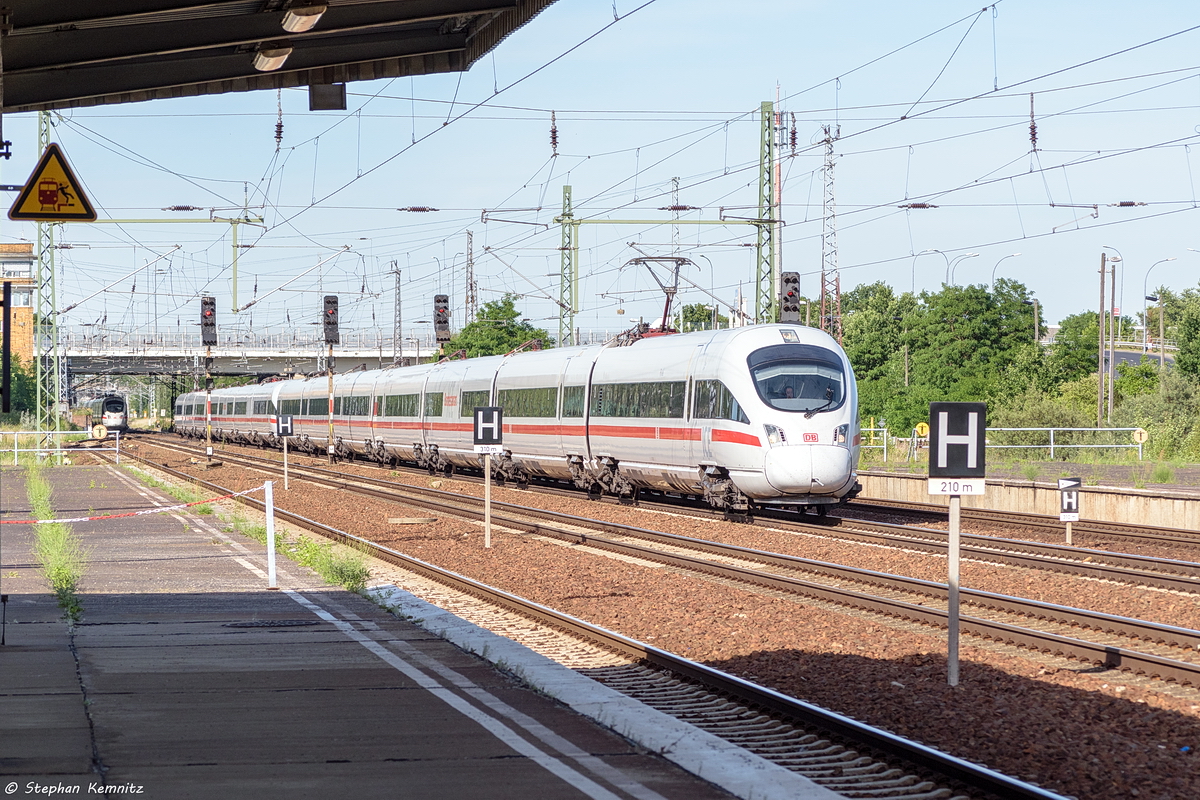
[
  {"x": 1068, "y": 509},
  {"x": 282, "y": 425},
  {"x": 957, "y": 443},
  {"x": 489, "y": 440},
  {"x": 269, "y": 504}
]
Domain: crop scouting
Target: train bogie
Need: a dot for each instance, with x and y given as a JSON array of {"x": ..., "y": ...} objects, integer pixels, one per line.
[{"x": 758, "y": 415}]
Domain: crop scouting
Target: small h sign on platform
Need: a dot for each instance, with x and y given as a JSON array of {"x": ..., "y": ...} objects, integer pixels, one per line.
[
  {"x": 282, "y": 425},
  {"x": 489, "y": 429},
  {"x": 1069, "y": 508},
  {"x": 957, "y": 442},
  {"x": 489, "y": 441}
]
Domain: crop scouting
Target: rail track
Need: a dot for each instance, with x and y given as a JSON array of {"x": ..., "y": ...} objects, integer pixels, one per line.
[
  {"x": 840, "y": 753},
  {"x": 1136, "y": 570},
  {"x": 1146, "y": 648},
  {"x": 1121, "y": 531}
]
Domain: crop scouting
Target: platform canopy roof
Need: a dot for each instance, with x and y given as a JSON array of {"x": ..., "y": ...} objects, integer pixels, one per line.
[{"x": 73, "y": 53}]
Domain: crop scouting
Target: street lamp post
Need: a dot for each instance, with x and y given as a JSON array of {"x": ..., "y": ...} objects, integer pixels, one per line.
[
  {"x": 1112, "y": 329},
  {"x": 992, "y": 283},
  {"x": 1145, "y": 288},
  {"x": 914, "y": 266},
  {"x": 951, "y": 265}
]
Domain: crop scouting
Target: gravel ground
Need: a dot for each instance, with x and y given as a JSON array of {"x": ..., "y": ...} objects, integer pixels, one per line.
[{"x": 1069, "y": 727}]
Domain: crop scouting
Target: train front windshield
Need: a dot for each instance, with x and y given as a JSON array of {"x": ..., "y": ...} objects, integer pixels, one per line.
[
  {"x": 798, "y": 377},
  {"x": 114, "y": 405}
]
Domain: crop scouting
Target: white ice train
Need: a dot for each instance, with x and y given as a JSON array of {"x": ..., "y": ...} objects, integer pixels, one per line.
[
  {"x": 110, "y": 411},
  {"x": 760, "y": 415}
]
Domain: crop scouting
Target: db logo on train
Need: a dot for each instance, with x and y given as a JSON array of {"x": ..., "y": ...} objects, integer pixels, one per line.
[{"x": 811, "y": 437}]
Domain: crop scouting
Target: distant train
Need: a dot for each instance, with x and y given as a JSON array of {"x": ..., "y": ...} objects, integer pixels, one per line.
[
  {"x": 111, "y": 411},
  {"x": 764, "y": 415}
]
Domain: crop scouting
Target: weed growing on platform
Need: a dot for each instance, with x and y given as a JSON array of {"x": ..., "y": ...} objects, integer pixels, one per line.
[
  {"x": 346, "y": 569},
  {"x": 1031, "y": 471},
  {"x": 61, "y": 557},
  {"x": 181, "y": 493},
  {"x": 1162, "y": 473}
]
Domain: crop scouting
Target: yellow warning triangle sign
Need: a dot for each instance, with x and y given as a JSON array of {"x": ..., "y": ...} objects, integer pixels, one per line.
[{"x": 52, "y": 193}]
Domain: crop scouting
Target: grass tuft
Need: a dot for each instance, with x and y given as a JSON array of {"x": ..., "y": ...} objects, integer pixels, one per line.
[{"x": 61, "y": 558}]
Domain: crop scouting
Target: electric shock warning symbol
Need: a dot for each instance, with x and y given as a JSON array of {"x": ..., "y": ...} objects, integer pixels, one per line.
[{"x": 52, "y": 193}]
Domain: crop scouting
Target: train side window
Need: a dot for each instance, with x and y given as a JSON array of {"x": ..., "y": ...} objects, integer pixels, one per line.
[
  {"x": 401, "y": 405},
  {"x": 529, "y": 402},
  {"x": 260, "y": 407},
  {"x": 317, "y": 406},
  {"x": 433, "y": 404},
  {"x": 572, "y": 401},
  {"x": 179, "y": 409},
  {"x": 356, "y": 406},
  {"x": 658, "y": 399},
  {"x": 239, "y": 408},
  {"x": 713, "y": 400},
  {"x": 290, "y": 407},
  {"x": 472, "y": 400}
]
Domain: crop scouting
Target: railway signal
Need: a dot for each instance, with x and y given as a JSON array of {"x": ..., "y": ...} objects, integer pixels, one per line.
[
  {"x": 441, "y": 317},
  {"x": 208, "y": 320},
  {"x": 789, "y": 301},
  {"x": 957, "y": 446},
  {"x": 329, "y": 320}
]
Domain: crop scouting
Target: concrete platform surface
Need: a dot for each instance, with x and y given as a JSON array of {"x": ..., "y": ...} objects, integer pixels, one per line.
[{"x": 186, "y": 678}]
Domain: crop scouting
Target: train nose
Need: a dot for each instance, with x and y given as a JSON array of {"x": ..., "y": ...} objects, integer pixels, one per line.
[{"x": 814, "y": 469}]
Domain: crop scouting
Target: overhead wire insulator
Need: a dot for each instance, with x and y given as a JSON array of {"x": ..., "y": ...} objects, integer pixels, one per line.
[
  {"x": 792, "y": 134},
  {"x": 917, "y": 205},
  {"x": 553, "y": 135},
  {"x": 417, "y": 209},
  {"x": 1126, "y": 204},
  {"x": 1032, "y": 125},
  {"x": 183, "y": 208}
]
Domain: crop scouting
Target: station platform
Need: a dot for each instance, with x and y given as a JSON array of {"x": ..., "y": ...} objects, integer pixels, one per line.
[{"x": 186, "y": 678}]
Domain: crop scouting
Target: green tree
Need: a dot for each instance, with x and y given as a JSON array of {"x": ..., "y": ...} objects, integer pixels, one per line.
[
  {"x": 699, "y": 317},
  {"x": 497, "y": 330},
  {"x": 1075, "y": 349},
  {"x": 1135, "y": 379},
  {"x": 24, "y": 387},
  {"x": 1188, "y": 336}
]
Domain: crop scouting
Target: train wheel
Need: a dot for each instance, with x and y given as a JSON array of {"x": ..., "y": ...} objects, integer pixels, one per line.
[{"x": 822, "y": 511}]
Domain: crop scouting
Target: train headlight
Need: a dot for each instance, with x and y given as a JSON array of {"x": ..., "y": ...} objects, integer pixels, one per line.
[
  {"x": 841, "y": 435},
  {"x": 775, "y": 435}
]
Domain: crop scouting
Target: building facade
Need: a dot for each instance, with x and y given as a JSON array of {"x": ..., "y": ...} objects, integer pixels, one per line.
[{"x": 16, "y": 267}]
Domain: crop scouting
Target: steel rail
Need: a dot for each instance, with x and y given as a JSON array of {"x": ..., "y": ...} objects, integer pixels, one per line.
[
  {"x": 976, "y": 776},
  {"x": 1098, "y": 564},
  {"x": 1118, "y": 530},
  {"x": 568, "y": 527}
]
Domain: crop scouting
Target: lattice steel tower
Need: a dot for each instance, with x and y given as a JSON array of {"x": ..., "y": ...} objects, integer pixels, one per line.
[{"x": 831, "y": 282}]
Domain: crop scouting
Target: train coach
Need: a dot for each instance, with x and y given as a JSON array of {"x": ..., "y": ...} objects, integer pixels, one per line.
[
  {"x": 761, "y": 415},
  {"x": 111, "y": 411}
]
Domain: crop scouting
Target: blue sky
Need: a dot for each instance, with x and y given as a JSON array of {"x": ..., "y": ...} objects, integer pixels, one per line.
[{"x": 933, "y": 106}]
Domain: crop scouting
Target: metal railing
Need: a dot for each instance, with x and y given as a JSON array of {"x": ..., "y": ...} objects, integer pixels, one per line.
[
  {"x": 56, "y": 450},
  {"x": 1052, "y": 445},
  {"x": 875, "y": 439}
]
